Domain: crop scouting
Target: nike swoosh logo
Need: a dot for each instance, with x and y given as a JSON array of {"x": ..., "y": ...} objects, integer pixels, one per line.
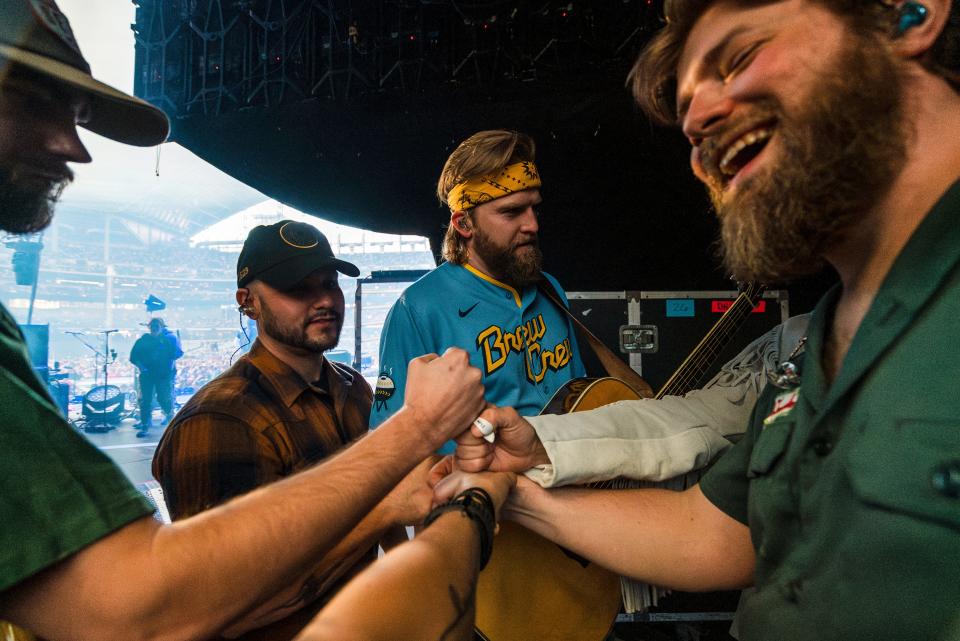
[{"x": 463, "y": 313}]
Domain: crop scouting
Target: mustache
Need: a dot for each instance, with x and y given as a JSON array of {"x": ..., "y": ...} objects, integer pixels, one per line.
[
  {"x": 57, "y": 173},
  {"x": 324, "y": 314}
]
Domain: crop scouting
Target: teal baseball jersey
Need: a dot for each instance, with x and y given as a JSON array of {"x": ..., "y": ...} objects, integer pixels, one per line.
[{"x": 521, "y": 341}]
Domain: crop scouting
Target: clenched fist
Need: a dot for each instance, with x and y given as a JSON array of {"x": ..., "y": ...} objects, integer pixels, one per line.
[
  {"x": 443, "y": 394},
  {"x": 517, "y": 447}
]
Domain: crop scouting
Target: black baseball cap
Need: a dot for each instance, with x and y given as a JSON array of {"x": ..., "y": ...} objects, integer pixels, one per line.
[
  {"x": 37, "y": 36},
  {"x": 284, "y": 253}
]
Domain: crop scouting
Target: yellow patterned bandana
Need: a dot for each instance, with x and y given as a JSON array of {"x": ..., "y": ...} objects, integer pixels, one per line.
[{"x": 470, "y": 193}]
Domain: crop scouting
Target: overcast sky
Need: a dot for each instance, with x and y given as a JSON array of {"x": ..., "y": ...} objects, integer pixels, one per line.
[{"x": 122, "y": 177}]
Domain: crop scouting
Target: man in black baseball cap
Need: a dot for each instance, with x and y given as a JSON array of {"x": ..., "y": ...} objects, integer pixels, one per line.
[
  {"x": 80, "y": 555},
  {"x": 287, "y": 283},
  {"x": 218, "y": 447}
]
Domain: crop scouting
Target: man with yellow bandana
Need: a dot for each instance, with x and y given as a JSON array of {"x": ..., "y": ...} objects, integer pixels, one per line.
[{"x": 485, "y": 298}]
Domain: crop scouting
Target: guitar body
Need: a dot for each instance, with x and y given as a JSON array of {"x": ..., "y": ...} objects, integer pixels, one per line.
[
  {"x": 533, "y": 588},
  {"x": 582, "y": 394}
]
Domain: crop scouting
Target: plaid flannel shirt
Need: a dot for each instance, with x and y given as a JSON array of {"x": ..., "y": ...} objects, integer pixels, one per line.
[{"x": 256, "y": 423}]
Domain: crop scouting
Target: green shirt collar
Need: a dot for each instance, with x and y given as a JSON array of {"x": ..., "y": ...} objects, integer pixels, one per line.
[{"x": 924, "y": 263}]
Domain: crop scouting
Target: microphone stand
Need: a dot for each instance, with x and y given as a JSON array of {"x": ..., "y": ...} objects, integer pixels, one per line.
[
  {"x": 96, "y": 355},
  {"x": 109, "y": 357}
]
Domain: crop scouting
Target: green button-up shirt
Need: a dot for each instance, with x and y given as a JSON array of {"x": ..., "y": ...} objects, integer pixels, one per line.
[{"x": 852, "y": 489}]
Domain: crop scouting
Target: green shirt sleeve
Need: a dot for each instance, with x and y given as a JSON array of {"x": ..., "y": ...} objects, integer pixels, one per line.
[{"x": 58, "y": 493}]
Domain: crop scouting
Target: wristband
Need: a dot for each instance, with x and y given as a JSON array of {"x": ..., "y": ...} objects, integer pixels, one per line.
[{"x": 477, "y": 505}]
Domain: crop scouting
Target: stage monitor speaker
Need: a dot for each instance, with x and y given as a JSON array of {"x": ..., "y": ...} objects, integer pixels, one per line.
[
  {"x": 60, "y": 391},
  {"x": 38, "y": 341}
]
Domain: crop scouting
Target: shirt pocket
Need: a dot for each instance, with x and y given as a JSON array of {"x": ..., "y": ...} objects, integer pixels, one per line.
[
  {"x": 769, "y": 448},
  {"x": 911, "y": 466}
]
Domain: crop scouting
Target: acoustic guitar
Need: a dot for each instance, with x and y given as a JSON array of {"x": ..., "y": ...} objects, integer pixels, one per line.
[{"x": 535, "y": 589}]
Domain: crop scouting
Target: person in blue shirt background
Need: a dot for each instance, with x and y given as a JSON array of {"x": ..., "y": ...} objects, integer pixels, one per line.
[{"x": 155, "y": 354}]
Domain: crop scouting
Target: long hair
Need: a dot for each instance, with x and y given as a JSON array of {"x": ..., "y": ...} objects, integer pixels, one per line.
[
  {"x": 483, "y": 153},
  {"x": 653, "y": 78}
]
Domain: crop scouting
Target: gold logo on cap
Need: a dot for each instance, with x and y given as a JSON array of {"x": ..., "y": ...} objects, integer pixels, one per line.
[
  {"x": 299, "y": 237},
  {"x": 243, "y": 272}
]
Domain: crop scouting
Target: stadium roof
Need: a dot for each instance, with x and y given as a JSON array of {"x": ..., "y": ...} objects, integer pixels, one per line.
[{"x": 229, "y": 233}]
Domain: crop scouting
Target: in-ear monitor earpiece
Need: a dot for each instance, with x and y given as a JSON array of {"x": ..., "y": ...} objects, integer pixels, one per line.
[{"x": 912, "y": 14}]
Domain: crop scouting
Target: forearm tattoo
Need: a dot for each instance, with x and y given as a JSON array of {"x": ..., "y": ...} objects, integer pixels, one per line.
[{"x": 462, "y": 607}]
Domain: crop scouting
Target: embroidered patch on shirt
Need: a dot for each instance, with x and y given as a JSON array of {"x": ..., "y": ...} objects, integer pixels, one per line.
[
  {"x": 783, "y": 404},
  {"x": 385, "y": 389}
]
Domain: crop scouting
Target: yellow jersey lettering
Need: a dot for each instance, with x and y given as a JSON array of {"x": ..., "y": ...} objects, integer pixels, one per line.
[
  {"x": 532, "y": 331},
  {"x": 514, "y": 340},
  {"x": 496, "y": 346},
  {"x": 491, "y": 364},
  {"x": 550, "y": 360},
  {"x": 533, "y": 349}
]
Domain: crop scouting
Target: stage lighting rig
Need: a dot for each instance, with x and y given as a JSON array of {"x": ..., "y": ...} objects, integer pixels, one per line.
[{"x": 102, "y": 408}]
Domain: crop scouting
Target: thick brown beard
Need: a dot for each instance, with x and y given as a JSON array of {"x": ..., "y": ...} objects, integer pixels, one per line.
[
  {"x": 518, "y": 270},
  {"x": 839, "y": 157},
  {"x": 27, "y": 205},
  {"x": 268, "y": 324}
]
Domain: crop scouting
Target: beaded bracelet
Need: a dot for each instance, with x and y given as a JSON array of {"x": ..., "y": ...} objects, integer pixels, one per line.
[{"x": 477, "y": 505}]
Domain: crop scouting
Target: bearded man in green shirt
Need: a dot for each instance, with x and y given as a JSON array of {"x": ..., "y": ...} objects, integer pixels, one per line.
[{"x": 826, "y": 131}]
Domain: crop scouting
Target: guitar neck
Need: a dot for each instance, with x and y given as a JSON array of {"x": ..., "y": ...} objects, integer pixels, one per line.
[{"x": 692, "y": 370}]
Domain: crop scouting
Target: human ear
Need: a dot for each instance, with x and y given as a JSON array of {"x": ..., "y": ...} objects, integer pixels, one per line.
[
  {"x": 460, "y": 221},
  {"x": 918, "y": 25}
]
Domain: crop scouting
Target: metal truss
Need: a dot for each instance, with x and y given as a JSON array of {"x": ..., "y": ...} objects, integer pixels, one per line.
[{"x": 218, "y": 56}]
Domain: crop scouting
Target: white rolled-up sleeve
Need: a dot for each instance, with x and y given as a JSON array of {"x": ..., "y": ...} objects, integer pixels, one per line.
[{"x": 658, "y": 439}]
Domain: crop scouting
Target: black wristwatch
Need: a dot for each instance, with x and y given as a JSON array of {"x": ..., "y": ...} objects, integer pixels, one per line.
[{"x": 477, "y": 505}]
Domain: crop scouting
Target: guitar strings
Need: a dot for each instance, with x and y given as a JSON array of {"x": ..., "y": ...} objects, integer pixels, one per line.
[{"x": 703, "y": 355}]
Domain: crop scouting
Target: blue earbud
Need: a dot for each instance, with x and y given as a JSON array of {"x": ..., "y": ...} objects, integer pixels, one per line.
[{"x": 911, "y": 15}]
